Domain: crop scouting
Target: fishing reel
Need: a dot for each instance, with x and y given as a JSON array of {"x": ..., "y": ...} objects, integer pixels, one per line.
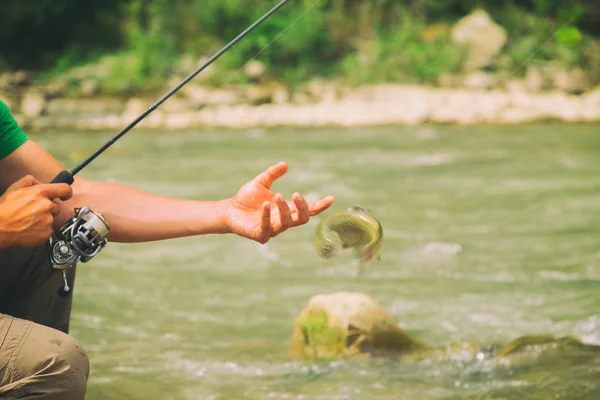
[{"x": 79, "y": 239}]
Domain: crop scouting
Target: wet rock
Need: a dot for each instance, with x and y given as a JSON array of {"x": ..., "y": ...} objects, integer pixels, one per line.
[
  {"x": 346, "y": 324},
  {"x": 33, "y": 103},
  {"x": 484, "y": 38}
]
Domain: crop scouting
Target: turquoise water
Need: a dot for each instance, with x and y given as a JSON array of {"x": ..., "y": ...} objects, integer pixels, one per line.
[{"x": 210, "y": 317}]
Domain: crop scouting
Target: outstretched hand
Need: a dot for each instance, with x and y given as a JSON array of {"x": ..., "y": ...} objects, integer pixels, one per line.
[{"x": 255, "y": 212}]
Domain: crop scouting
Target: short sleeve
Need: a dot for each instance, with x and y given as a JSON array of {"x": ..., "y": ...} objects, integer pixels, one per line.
[{"x": 11, "y": 134}]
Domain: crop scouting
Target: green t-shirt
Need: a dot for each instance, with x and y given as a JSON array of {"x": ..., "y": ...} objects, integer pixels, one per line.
[{"x": 11, "y": 135}]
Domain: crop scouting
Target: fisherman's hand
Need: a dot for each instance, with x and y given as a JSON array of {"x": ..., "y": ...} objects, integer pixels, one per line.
[
  {"x": 255, "y": 212},
  {"x": 27, "y": 211}
]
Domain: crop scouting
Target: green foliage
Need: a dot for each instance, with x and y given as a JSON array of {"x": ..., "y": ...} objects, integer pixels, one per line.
[
  {"x": 403, "y": 56},
  {"x": 359, "y": 41},
  {"x": 321, "y": 340},
  {"x": 568, "y": 36},
  {"x": 36, "y": 33}
]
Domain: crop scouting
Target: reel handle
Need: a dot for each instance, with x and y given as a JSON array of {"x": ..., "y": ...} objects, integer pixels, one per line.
[{"x": 64, "y": 177}]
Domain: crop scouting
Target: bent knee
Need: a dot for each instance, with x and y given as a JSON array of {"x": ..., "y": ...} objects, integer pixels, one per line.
[
  {"x": 68, "y": 362},
  {"x": 52, "y": 365}
]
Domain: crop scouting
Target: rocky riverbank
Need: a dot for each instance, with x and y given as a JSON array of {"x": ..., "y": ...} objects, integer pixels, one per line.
[
  {"x": 78, "y": 100},
  {"x": 325, "y": 105}
]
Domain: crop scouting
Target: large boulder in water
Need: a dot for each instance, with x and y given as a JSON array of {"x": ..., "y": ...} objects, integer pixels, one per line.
[
  {"x": 483, "y": 37},
  {"x": 347, "y": 324}
]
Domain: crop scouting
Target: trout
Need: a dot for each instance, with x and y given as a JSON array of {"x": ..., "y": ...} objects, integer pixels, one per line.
[{"x": 353, "y": 228}]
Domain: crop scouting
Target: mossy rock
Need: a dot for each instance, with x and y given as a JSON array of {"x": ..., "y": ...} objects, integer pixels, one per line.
[{"x": 347, "y": 324}]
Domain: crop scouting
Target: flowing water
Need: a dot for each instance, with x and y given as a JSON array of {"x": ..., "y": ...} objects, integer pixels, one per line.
[{"x": 490, "y": 233}]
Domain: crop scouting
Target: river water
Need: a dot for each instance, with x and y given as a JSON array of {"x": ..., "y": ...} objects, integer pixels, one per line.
[{"x": 490, "y": 233}]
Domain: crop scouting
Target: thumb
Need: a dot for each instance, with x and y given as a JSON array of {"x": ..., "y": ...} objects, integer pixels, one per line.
[
  {"x": 272, "y": 173},
  {"x": 26, "y": 181}
]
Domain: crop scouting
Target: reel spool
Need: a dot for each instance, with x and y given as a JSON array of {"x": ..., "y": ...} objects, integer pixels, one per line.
[{"x": 79, "y": 239}]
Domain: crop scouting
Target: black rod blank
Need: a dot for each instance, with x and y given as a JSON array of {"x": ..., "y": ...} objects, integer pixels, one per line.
[{"x": 67, "y": 177}]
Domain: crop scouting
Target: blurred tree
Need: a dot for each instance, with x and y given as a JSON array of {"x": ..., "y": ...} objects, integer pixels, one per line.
[
  {"x": 37, "y": 34},
  {"x": 34, "y": 32}
]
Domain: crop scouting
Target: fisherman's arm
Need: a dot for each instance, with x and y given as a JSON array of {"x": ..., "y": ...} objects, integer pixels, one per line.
[
  {"x": 255, "y": 212},
  {"x": 133, "y": 215}
]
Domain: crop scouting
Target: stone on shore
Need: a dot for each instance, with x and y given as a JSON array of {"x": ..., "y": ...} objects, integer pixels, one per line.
[
  {"x": 484, "y": 38},
  {"x": 317, "y": 104},
  {"x": 33, "y": 103}
]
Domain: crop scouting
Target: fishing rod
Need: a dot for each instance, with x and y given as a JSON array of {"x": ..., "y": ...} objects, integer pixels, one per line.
[
  {"x": 82, "y": 237},
  {"x": 67, "y": 176}
]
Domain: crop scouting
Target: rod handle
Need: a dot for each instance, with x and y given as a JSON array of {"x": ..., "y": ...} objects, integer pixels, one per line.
[{"x": 64, "y": 177}]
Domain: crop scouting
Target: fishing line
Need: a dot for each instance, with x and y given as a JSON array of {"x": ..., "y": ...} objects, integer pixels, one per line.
[
  {"x": 273, "y": 41},
  {"x": 318, "y": 2},
  {"x": 82, "y": 237},
  {"x": 533, "y": 53},
  {"x": 67, "y": 176}
]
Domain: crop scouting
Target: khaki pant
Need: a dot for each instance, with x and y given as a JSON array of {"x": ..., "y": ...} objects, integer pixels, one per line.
[{"x": 38, "y": 359}]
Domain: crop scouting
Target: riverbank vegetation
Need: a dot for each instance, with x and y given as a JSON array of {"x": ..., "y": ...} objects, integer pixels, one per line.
[{"x": 132, "y": 46}]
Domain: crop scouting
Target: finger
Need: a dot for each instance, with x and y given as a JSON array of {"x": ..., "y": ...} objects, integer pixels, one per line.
[
  {"x": 272, "y": 173},
  {"x": 265, "y": 222},
  {"x": 26, "y": 181},
  {"x": 56, "y": 191},
  {"x": 321, "y": 205},
  {"x": 55, "y": 209},
  {"x": 303, "y": 209},
  {"x": 285, "y": 216}
]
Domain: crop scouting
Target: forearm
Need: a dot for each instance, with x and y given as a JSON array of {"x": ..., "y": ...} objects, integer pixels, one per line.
[
  {"x": 132, "y": 215},
  {"x": 137, "y": 216}
]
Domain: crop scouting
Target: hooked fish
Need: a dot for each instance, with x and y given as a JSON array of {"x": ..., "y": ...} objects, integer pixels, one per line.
[{"x": 353, "y": 228}]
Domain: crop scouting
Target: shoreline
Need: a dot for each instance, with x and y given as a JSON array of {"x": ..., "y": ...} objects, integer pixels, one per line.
[
  {"x": 263, "y": 106},
  {"x": 484, "y": 90}
]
